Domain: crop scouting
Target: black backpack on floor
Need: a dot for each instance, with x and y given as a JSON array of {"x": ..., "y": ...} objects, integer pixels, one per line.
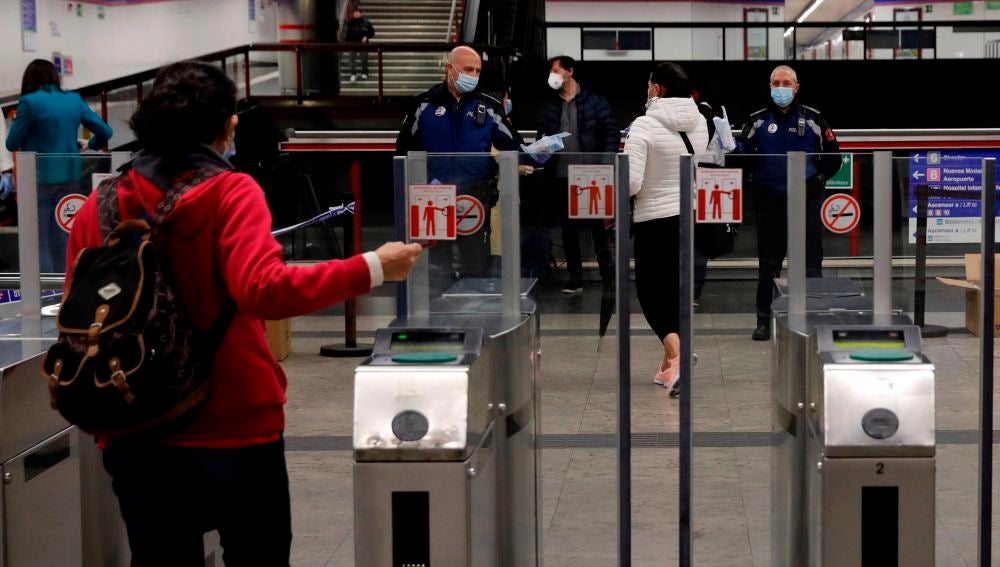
[{"x": 128, "y": 360}]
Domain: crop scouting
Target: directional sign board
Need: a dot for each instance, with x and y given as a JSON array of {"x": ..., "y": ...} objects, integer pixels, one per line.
[
  {"x": 949, "y": 220},
  {"x": 841, "y": 213},
  {"x": 432, "y": 212},
  {"x": 591, "y": 191},
  {"x": 719, "y": 197},
  {"x": 471, "y": 215}
]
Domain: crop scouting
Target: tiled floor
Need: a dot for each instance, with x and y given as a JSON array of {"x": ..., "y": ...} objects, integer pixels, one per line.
[{"x": 731, "y": 515}]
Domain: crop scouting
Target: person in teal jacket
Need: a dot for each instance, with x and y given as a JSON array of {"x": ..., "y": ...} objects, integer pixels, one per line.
[{"x": 48, "y": 121}]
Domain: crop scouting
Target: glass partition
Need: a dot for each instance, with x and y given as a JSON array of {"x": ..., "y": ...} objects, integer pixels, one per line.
[{"x": 51, "y": 188}]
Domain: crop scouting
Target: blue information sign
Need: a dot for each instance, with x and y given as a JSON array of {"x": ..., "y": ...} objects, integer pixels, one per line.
[{"x": 949, "y": 219}]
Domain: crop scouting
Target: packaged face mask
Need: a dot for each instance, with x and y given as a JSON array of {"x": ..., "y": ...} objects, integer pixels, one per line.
[{"x": 542, "y": 149}]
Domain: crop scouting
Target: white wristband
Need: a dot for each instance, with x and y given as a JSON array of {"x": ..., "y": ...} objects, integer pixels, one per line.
[{"x": 374, "y": 268}]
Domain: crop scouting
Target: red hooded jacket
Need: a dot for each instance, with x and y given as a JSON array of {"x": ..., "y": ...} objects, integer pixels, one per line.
[{"x": 219, "y": 244}]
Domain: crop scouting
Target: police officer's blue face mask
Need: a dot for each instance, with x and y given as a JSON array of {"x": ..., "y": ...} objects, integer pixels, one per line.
[
  {"x": 782, "y": 96},
  {"x": 465, "y": 83},
  {"x": 508, "y": 106}
]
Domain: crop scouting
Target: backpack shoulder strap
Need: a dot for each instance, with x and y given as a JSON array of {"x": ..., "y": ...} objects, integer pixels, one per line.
[
  {"x": 182, "y": 185},
  {"x": 108, "y": 213}
]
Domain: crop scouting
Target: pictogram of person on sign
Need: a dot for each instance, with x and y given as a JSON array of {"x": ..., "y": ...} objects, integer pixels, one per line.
[{"x": 430, "y": 219}]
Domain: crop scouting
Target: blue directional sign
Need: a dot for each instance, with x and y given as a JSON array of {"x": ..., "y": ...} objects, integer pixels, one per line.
[{"x": 949, "y": 219}]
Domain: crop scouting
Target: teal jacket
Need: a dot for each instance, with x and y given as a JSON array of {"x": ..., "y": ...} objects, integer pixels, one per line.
[{"x": 48, "y": 122}]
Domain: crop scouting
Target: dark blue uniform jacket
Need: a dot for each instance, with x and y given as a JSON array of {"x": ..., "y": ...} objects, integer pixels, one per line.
[
  {"x": 441, "y": 124},
  {"x": 770, "y": 133}
]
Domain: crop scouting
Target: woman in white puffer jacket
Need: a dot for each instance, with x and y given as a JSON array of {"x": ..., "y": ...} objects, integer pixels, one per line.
[{"x": 654, "y": 146}]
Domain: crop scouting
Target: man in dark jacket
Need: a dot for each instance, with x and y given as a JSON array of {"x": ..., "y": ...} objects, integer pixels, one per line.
[
  {"x": 588, "y": 117},
  {"x": 770, "y": 133},
  {"x": 455, "y": 117},
  {"x": 359, "y": 30}
]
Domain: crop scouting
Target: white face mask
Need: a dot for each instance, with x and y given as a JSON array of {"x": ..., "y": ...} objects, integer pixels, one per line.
[{"x": 555, "y": 80}]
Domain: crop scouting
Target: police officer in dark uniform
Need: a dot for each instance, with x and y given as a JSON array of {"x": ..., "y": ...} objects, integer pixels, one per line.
[
  {"x": 455, "y": 117},
  {"x": 785, "y": 126}
]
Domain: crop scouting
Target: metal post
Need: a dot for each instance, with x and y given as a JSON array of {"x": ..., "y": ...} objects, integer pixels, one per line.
[
  {"x": 685, "y": 297},
  {"x": 28, "y": 248},
  {"x": 298, "y": 74},
  {"x": 104, "y": 105},
  {"x": 510, "y": 266},
  {"x": 988, "y": 210},
  {"x": 797, "y": 241},
  {"x": 882, "y": 228},
  {"x": 246, "y": 72},
  {"x": 418, "y": 297},
  {"x": 381, "y": 86},
  {"x": 623, "y": 251},
  {"x": 399, "y": 214}
]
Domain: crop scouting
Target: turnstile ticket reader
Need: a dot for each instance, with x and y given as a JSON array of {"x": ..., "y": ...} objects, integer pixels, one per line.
[
  {"x": 425, "y": 459},
  {"x": 870, "y": 448}
]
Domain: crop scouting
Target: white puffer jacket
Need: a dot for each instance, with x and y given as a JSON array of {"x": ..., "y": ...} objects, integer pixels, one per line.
[{"x": 654, "y": 148}]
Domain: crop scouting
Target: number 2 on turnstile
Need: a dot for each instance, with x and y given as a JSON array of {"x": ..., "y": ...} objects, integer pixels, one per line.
[{"x": 880, "y": 468}]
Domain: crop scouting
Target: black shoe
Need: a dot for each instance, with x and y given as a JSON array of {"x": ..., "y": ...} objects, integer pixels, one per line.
[{"x": 762, "y": 333}]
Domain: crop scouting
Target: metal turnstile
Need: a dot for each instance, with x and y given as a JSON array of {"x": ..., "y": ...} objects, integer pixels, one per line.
[
  {"x": 870, "y": 448},
  {"x": 829, "y": 301},
  {"x": 445, "y": 426}
]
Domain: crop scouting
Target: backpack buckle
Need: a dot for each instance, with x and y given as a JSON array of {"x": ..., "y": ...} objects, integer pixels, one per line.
[
  {"x": 94, "y": 334},
  {"x": 121, "y": 381}
]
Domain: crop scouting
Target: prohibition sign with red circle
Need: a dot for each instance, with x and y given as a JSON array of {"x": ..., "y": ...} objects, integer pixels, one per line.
[
  {"x": 67, "y": 208},
  {"x": 471, "y": 215},
  {"x": 841, "y": 213}
]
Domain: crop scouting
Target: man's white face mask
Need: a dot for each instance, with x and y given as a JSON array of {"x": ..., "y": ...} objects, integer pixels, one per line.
[{"x": 555, "y": 80}]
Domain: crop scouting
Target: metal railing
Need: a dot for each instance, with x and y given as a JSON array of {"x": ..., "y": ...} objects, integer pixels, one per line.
[{"x": 873, "y": 35}]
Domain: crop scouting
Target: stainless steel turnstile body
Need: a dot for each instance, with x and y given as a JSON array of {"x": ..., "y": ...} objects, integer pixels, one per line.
[
  {"x": 462, "y": 488},
  {"x": 829, "y": 301},
  {"x": 870, "y": 448}
]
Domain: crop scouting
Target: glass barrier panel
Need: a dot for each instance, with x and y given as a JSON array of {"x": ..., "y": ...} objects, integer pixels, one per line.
[{"x": 940, "y": 193}]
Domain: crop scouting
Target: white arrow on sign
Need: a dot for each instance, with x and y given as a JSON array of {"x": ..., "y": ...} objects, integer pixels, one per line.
[
  {"x": 917, "y": 157},
  {"x": 914, "y": 209},
  {"x": 917, "y": 175}
]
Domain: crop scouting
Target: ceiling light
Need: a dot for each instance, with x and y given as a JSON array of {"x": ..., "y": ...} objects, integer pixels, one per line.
[
  {"x": 789, "y": 31},
  {"x": 808, "y": 11}
]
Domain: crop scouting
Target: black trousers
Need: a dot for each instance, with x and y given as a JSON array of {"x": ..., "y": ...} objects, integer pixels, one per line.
[
  {"x": 171, "y": 496},
  {"x": 772, "y": 243},
  {"x": 657, "y": 259}
]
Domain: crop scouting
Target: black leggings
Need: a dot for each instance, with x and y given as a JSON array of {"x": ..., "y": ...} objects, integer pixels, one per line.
[
  {"x": 170, "y": 496},
  {"x": 657, "y": 258}
]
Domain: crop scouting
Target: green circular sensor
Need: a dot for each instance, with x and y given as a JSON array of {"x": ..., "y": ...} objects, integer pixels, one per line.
[
  {"x": 882, "y": 355},
  {"x": 425, "y": 357}
]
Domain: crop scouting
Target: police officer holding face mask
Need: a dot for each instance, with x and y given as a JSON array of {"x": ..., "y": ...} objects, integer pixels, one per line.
[
  {"x": 454, "y": 117},
  {"x": 785, "y": 126}
]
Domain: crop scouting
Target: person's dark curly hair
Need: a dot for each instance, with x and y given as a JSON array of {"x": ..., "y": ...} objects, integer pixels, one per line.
[{"x": 189, "y": 104}]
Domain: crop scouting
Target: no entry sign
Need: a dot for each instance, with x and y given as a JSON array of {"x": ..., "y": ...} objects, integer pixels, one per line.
[{"x": 841, "y": 213}]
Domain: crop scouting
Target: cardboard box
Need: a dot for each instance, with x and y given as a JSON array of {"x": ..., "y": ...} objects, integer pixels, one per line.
[
  {"x": 279, "y": 337},
  {"x": 971, "y": 285}
]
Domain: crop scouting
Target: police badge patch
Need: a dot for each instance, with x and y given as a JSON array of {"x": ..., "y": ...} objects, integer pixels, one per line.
[
  {"x": 772, "y": 128},
  {"x": 440, "y": 111}
]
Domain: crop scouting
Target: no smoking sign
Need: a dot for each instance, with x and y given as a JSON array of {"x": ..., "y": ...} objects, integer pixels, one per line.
[
  {"x": 67, "y": 208},
  {"x": 841, "y": 213}
]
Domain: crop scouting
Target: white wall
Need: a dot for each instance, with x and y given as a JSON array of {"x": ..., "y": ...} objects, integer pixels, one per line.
[
  {"x": 678, "y": 44},
  {"x": 130, "y": 38}
]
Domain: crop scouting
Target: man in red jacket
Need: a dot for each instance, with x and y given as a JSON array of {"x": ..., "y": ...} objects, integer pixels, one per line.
[{"x": 224, "y": 468}]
